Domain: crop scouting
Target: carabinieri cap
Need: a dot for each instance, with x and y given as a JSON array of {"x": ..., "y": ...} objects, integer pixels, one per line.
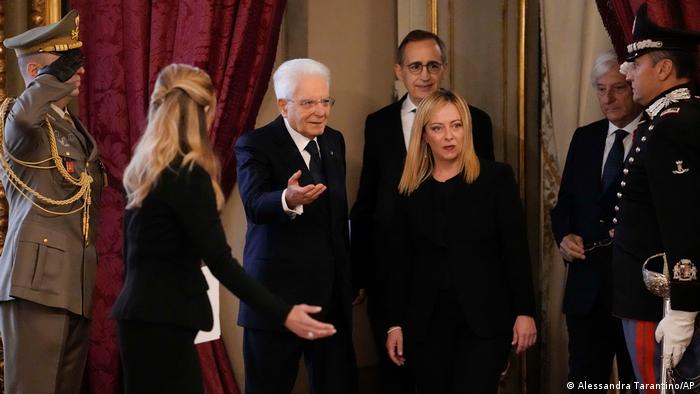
[{"x": 647, "y": 37}]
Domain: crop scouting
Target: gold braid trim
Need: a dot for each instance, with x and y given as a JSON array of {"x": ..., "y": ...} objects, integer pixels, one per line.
[{"x": 83, "y": 183}]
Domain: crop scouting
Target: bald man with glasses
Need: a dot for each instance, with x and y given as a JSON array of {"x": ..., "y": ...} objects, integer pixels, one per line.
[{"x": 421, "y": 63}]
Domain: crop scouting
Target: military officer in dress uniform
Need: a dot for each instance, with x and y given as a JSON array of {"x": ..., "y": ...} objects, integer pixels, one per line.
[
  {"x": 53, "y": 179},
  {"x": 658, "y": 209}
]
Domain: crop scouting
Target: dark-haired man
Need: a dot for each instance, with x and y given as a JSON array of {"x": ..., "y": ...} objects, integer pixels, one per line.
[
  {"x": 658, "y": 210},
  {"x": 421, "y": 62}
]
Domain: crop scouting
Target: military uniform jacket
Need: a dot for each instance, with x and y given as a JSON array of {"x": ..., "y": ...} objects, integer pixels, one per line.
[
  {"x": 659, "y": 207},
  {"x": 46, "y": 258}
]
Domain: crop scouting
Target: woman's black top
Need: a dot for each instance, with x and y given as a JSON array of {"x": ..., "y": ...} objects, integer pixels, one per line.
[
  {"x": 165, "y": 240},
  {"x": 463, "y": 239}
]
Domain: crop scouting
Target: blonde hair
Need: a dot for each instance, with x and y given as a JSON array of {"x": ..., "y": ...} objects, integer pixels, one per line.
[
  {"x": 180, "y": 114},
  {"x": 419, "y": 159}
]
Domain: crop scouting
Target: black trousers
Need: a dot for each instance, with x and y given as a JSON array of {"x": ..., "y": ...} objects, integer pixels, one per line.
[
  {"x": 272, "y": 358},
  {"x": 159, "y": 358},
  {"x": 451, "y": 359},
  {"x": 392, "y": 378},
  {"x": 594, "y": 339}
]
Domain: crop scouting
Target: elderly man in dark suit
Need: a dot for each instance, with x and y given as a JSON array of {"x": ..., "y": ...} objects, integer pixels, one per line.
[
  {"x": 582, "y": 220},
  {"x": 291, "y": 175},
  {"x": 53, "y": 179},
  {"x": 421, "y": 62}
]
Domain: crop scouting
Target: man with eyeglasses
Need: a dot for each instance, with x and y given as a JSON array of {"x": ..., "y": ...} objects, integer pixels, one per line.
[
  {"x": 581, "y": 222},
  {"x": 421, "y": 62},
  {"x": 291, "y": 175}
]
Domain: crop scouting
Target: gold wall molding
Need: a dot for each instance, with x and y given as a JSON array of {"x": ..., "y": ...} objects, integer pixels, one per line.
[
  {"x": 43, "y": 12},
  {"x": 3, "y": 201},
  {"x": 521, "y": 96},
  {"x": 433, "y": 16}
]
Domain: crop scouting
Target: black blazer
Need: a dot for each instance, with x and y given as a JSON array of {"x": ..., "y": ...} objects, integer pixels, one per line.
[
  {"x": 304, "y": 259},
  {"x": 165, "y": 240},
  {"x": 382, "y": 165},
  {"x": 477, "y": 239},
  {"x": 586, "y": 210}
]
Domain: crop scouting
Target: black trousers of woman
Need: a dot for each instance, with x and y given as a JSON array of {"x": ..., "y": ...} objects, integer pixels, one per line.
[
  {"x": 159, "y": 358},
  {"x": 451, "y": 359}
]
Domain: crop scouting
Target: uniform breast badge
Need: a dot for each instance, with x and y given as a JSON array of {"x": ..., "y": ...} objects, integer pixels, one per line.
[
  {"x": 685, "y": 271},
  {"x": 679, "y": 168}
]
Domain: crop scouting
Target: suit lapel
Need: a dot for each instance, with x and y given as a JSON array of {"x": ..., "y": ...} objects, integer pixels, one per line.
[
  {"x": 288, "y": 149},
  {"x": 397, "y": 127},
  {"x": 605, "y": 195}
]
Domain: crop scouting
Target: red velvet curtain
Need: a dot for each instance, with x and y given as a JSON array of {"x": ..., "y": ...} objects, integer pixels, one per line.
[
  {"x": 126, "y": 43},
  {"x": 618, "y": 16}
]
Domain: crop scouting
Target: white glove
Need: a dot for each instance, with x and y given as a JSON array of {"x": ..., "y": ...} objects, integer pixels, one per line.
[{"x": 676, "y": 330}]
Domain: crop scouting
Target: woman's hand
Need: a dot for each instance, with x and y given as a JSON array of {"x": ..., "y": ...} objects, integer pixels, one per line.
[
  {"x": 524, "y": 333},
  {"x": 300, "y": 323},
  {"x": 394, "y": 345}
]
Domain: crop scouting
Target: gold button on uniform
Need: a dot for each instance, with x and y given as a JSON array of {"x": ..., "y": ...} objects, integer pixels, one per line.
[{"x": 46, "y": 240}]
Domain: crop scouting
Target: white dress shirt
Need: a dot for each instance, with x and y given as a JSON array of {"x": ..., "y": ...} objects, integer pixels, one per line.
[
  {"x": 408, "y": 115},
  {"x": 300, "y": 141},
  {"x": 627, "y": 141}
]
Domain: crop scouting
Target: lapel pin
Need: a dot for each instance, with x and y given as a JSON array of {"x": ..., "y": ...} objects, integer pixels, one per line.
[{"x": 679, "y": 168}]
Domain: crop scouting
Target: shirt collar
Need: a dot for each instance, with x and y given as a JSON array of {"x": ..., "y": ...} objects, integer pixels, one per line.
[
  {"x": 407, "y": 106},
  {"x": 61, "y": 112},
  {"x": 299, "y": 140},
  {"x": 630, "y": 127}
]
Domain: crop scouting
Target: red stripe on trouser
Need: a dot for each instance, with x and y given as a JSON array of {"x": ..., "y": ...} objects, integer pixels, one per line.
[{"x": 645, "y": 353}]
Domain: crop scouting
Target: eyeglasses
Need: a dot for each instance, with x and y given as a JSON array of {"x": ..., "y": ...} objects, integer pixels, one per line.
[
  {"x": 597, "y": 244},
  {"x": 308, "y": 104},
  {"x": 417, "y": 67}
]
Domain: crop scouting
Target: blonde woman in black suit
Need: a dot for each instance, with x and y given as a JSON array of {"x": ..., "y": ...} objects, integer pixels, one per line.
[
  {"x": 171, "y": 224},
  {"x": 462, "y": 294}
]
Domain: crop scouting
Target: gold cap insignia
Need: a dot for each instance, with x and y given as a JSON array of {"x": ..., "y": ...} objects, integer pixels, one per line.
[{"x": 74, "y": 33}]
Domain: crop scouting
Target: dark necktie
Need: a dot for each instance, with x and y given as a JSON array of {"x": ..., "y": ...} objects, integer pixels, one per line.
[
  {"x": 315, "y": 165},
  {"x": 613, "y": 165}
]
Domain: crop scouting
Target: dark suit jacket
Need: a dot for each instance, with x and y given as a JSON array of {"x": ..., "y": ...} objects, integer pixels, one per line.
[
  {"x": 659, "y": 210},
  {"x": 476, "y": 238},
  {"x": 165, "y": 240},
  {"x": 586, "y": 210},
  {"x": 382, "y": 165},
  {"x": 304, "y": 259}
]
